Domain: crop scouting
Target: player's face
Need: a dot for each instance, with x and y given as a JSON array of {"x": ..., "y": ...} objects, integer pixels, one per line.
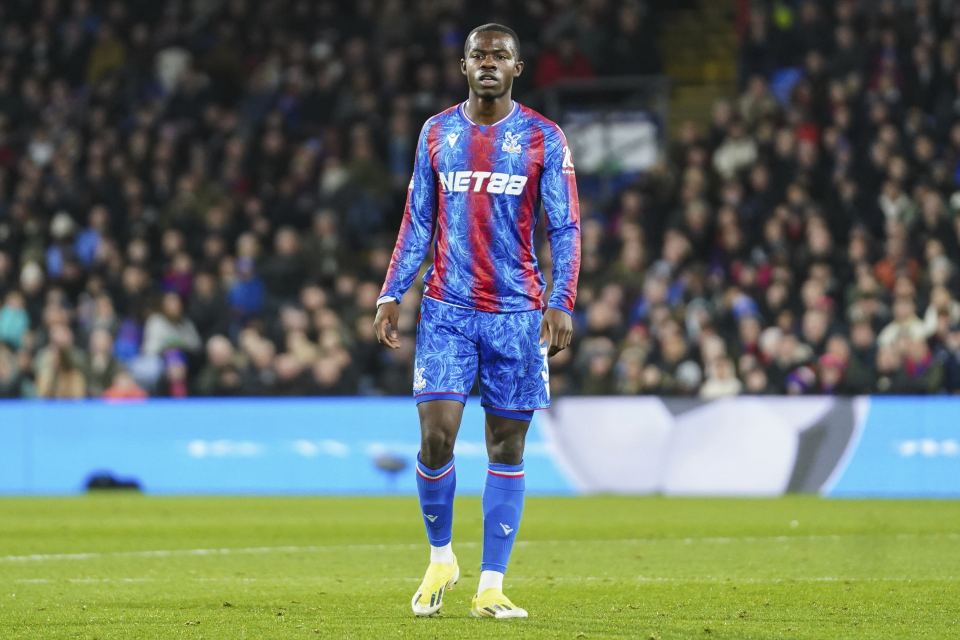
[{"x": 491, "y": 64}]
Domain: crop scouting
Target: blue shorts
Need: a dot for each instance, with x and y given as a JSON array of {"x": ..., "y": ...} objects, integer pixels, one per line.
[{"x": 455, "y": 343}]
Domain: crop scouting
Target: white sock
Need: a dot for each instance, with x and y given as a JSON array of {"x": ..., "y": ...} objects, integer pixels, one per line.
[
  {"x": 442, "y": 554},
  {"x": 490, "y": 580}
]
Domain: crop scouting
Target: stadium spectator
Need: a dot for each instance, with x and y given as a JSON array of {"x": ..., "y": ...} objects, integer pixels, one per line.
[
  {"x": 11, "y": 379},
  {"x": 219, "y": 376},
  {"x": 59, "y": 375},
  {"x": 168, "y": 328},
  {"x": 562, "y": 61},
  {"x": 173, "y": 384},
  {"x": 100, "y": 365},
  {"x": 124, "y": 387},
  {"x": 632, "y": 49},
  {"x": 721, "y": 380},
  {"x": 905, "y": 323},
  {"x": 14, "y": 321}
]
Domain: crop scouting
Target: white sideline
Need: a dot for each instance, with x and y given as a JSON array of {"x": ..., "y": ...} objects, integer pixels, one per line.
[
  {"x": 224, "y": 551},
  {"x": 167, "y": 553},
  {"x": 732, "y": 580}
]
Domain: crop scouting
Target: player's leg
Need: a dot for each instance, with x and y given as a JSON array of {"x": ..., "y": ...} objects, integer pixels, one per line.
[
  {"x": 502, "y": 495},
  {"x": 446, "y": 364},
  {"x": 502, "y": 503},
  {"x": 436, "y": 475},
  {"x": 513, "y": 382}
]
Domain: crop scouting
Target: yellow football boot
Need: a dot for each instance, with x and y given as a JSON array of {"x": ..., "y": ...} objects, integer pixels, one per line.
[
  {"x": 493, "y": 604},
  {"x": 429, "y": 596}
]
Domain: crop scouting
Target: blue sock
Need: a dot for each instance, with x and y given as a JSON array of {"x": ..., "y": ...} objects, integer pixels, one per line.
[
  {"x": 436, "y": 488},
  {"x": 502, "y": 508}
]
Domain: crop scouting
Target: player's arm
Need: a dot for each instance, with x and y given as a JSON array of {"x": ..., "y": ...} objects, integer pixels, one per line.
[
  {"x": 413, "y": 241},
  {"x": 558, "y": 190}
]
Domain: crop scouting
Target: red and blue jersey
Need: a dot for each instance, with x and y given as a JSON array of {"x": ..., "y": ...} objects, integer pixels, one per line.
[{"x": 476, "y": 192}]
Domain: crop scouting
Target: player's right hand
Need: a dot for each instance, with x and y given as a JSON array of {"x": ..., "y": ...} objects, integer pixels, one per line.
[{"x": 385, "y": 324}]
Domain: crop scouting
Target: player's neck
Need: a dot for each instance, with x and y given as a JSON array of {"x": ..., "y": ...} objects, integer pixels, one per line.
[{"x": 488, "y": 111}]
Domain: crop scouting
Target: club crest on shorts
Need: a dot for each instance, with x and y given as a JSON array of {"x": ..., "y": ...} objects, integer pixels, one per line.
[
  {"x": 511, "y": 142},
  {"x": 419, "y": 382}
]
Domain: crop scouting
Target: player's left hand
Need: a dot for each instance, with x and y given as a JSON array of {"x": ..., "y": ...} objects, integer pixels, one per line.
[{"x": 556, "y": 329}]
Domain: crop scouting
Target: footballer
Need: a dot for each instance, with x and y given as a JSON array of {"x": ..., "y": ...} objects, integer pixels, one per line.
[{"x": 482, "y": 169}]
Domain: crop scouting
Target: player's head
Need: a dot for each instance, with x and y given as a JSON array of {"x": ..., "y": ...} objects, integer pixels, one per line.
[{"x": 491, "y": 60}]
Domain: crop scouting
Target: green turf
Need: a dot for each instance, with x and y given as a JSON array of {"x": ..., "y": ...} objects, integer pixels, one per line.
[{"x": 584, "y": 568}]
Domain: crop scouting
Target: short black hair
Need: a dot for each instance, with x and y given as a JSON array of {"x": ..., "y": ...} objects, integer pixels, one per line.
[{"x": 499, "y": 28}]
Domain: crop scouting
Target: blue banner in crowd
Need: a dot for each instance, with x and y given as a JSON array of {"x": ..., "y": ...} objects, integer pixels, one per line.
[{"x": 348, "y": 445}]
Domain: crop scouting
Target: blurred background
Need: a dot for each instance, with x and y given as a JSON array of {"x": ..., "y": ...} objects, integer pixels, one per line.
[{"x": 199, "y": 198}]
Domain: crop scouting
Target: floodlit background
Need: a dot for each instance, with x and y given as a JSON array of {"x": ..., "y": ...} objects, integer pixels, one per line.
[
  {"x": 198, "y": 201},
  {"x": 754, "y": 434}
]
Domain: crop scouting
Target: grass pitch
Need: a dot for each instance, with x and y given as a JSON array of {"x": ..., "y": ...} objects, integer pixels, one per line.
[{"x": 110, "y": 566}]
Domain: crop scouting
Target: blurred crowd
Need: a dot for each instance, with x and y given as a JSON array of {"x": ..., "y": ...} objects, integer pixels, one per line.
[
  {"x": 201, "y": 197},
  {"x": 807, "y": 241}
]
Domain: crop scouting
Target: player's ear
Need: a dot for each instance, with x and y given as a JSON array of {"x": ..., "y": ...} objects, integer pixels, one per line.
[
  {"x": 463, "y": 66},
  {"x": 517, "y": 68}
]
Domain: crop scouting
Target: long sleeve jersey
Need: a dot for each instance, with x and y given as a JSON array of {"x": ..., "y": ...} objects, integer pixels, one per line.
[{"x": 476, "y": 192}]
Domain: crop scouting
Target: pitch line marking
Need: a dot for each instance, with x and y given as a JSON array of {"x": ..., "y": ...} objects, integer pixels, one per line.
[
  {"x": 225, "y": 551},
  {"x": 84, "y": 580},
  {"x": 538, "y": 579}
]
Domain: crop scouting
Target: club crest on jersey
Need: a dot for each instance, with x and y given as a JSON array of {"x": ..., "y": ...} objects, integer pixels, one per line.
[
  {"x": 419, "y": 382},
  {"x": 511, "y": 142}
]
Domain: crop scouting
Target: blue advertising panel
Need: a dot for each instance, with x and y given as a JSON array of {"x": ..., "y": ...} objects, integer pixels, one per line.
[
  {"x": 907, "y": 447},
  {"x": 14, "y": 448},
  {"x": 347, "y": 446},
  {"x": 888, "y": 447}
]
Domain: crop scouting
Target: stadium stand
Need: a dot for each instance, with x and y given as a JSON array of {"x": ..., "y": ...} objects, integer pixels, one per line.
[{"x": 200, "y": 198}]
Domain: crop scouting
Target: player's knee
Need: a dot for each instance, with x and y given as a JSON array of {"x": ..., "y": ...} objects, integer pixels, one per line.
[
  {"x": 436, "y": 446},
  {"x": 506, "y": 450}
]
